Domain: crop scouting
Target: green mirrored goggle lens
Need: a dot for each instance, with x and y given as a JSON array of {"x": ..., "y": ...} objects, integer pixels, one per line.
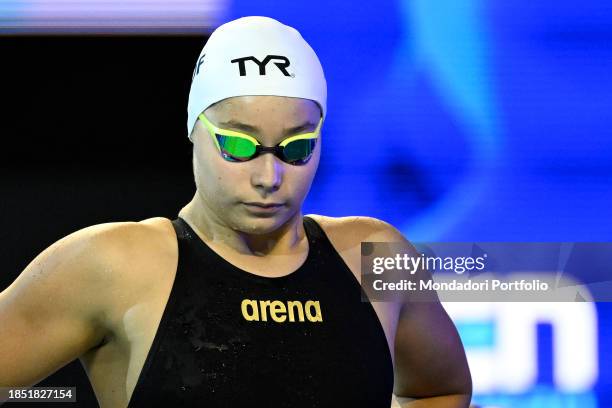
[
  {"x": 240, "y": 149},
  {"x": 236, "y": 147},
  {"x": 299, "y": 149}
]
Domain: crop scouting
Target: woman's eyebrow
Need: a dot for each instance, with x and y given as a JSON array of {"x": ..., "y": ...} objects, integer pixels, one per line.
[
  {"x": 297, "y": 129},
  {"x": 239, "y": 125},
  {"x": 232, "y": 123}
]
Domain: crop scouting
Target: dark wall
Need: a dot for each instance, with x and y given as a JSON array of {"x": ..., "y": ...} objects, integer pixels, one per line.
[{"x": 93, "y": 130}]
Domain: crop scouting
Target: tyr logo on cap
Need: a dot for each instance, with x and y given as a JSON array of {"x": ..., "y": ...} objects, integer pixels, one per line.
[
  {"x": 282, "y": 66},
  {"x": 196, "y": 70}
]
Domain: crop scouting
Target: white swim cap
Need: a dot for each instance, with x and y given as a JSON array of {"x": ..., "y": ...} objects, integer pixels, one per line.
[{"x": 255, "y": 56}]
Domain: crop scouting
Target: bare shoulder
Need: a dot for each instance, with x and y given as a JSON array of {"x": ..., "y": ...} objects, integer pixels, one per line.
[
  {"x": 112, "y": 245},
  {"x": 346, "y": 232},
  {"x": 129, "y": 236},
  {"x": 124, "y": 241},
  {"x": 133, "y": 239},
  {"x": 127, "y": 252},
  {"x": 86, "y": 264}
]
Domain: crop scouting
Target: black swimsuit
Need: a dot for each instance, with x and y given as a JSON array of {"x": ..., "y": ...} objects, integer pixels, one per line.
[{"x": 230, "y": 338}]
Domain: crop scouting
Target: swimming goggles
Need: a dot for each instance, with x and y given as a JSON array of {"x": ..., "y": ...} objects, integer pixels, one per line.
[{"x": 240, "y": 147}]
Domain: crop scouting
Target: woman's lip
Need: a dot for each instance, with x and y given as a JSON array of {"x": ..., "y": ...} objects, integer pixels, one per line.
[
  {"x": 267, "y": 211},
  {"x": 264, "y": 205}
]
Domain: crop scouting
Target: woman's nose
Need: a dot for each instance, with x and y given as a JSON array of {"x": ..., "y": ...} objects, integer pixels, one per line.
[{"x": 267, "y": 172}]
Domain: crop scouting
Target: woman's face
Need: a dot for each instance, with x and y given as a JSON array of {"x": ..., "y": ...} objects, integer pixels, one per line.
[{"x": 225, "y": 187}]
